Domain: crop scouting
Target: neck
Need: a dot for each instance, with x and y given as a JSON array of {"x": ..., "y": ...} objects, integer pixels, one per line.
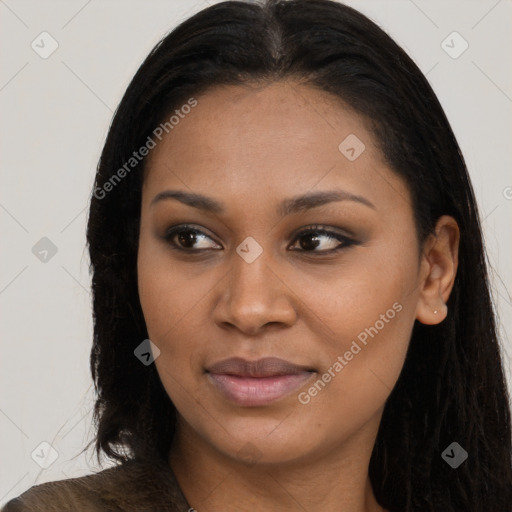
[{"x": 332, "y": 481}]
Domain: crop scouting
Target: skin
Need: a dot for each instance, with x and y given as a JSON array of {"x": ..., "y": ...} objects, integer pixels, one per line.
[{"x": 250, "y": 148}]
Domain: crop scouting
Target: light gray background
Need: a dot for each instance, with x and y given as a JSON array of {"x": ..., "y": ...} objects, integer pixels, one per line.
[{"x": 55, "y": 115}]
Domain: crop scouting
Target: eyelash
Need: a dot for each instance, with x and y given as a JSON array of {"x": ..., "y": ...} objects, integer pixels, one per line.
[{"x": 310, "y": 230}]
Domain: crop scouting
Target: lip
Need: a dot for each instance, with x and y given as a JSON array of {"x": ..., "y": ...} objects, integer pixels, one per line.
[{"x": 257, "y": 383}]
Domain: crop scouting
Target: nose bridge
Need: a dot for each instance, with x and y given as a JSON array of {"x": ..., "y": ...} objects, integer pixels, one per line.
[
  {"x": 255, "y": 296},
  {"x": 250, "y": 271}
]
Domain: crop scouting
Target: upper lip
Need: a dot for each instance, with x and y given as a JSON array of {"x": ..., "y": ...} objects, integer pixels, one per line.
[{"x": 265, "y": 367}]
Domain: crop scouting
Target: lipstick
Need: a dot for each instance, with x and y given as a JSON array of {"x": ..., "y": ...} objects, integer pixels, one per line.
[{"x": 257, "y": 383}]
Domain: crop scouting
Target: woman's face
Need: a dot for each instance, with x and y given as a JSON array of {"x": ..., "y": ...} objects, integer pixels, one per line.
[{"x": 256, "y": 169}]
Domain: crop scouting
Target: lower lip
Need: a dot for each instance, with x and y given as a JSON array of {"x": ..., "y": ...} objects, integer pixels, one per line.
[{"x": 251, "y": 391}]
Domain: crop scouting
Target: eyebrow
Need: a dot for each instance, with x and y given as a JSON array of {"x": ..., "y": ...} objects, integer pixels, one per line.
[{"x": 287, "y": 207}]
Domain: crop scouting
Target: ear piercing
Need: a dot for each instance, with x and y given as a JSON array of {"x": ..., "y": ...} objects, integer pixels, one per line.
[{"x": 436, "y": 311}]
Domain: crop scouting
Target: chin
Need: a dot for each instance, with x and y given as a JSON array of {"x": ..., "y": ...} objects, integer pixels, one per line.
[{"x": 262, "y": 440}]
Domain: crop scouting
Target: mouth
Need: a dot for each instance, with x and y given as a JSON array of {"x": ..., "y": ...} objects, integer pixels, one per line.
[{"x": 257, "y": 383}]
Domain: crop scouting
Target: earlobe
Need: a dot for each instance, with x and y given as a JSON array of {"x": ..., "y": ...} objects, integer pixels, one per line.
[
  {"x": 439, "y": 268},
  {"x": 431, "y": 314}
]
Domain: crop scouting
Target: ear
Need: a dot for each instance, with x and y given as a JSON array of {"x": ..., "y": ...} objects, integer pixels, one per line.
[{"x": 438, "y": 269}]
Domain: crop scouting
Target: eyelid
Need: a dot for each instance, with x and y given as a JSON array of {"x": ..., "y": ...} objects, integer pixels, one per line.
[
  {"x": 325, "y": 229},
  {"x": 178, "y": 228},
  {"x": 344, "y": 239}
]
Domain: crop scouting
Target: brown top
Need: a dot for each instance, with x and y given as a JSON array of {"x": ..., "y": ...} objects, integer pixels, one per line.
[{"x": 130, "y": 487}]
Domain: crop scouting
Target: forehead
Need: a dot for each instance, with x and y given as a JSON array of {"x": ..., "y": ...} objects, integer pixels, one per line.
[{"x": 283, "y": 138}]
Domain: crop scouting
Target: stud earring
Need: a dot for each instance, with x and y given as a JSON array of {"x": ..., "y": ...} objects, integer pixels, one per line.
[{"x": 435, "y": 312}]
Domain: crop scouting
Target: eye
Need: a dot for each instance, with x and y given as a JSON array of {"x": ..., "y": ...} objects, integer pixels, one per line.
[
  {"x": 184, "y": 237},
  {"x": 314, "y": 235}
]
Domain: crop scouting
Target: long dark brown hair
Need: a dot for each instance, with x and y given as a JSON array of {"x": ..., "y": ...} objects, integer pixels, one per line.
[{"x": 452, "y": 386}]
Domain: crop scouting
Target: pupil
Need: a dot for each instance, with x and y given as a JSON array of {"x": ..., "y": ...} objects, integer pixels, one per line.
[
  {"x": 313, "y": 245},
  {"x": 187, "y": 237}
]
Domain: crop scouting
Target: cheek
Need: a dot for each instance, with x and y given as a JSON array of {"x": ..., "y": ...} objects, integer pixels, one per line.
[
  {"x": 167, "y": 293},
  {"x": 171, "y": 300},
  {"x": 165, "y": 304},
  {"x": 365, "y": 313},
  {"x": 360, "y": 376},
  {"x": 359, "y": 293}
]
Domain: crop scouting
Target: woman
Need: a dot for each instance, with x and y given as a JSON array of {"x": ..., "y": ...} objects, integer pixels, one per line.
[{"x": 291, "y": 302}]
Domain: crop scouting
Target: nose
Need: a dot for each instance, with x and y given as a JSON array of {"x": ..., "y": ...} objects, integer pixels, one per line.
[{"x": 255, "y": 296}]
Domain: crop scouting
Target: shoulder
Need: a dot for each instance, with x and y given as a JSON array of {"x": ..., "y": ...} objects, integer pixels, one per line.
[{"x": 131, "y": 486}]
